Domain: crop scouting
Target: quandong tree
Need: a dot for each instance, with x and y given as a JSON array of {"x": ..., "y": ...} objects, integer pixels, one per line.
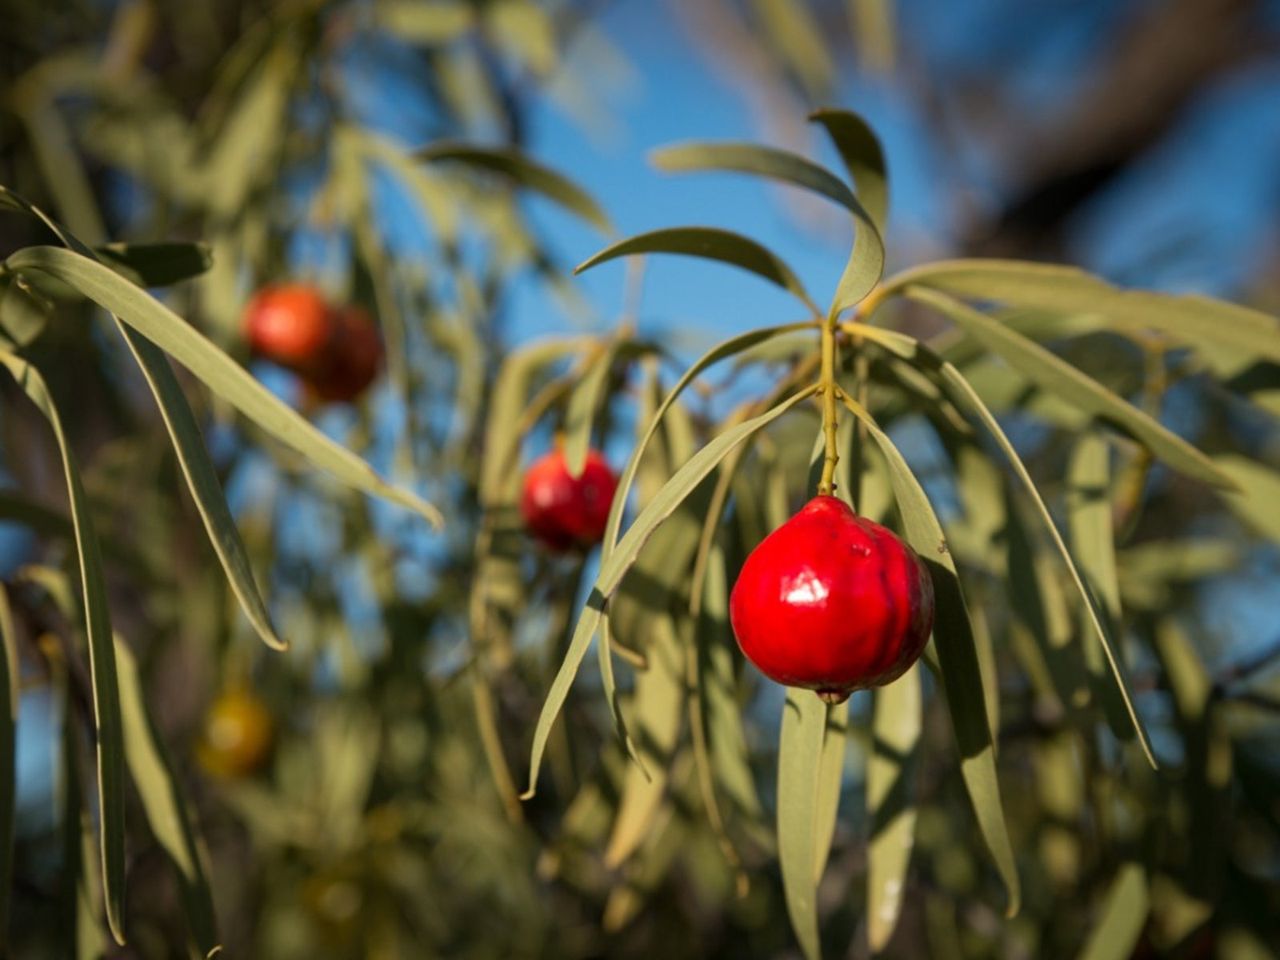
[{"x": 997, "y": 424}]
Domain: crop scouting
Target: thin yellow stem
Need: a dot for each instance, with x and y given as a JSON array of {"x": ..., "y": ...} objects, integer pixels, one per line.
[{"x": 830, "y": 393}]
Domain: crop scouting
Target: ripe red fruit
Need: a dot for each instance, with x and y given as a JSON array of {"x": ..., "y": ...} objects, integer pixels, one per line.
[
  {"x": 832, "y": 602},
  {"x": 289, "y": 324},
  {"x": 352, "y": 359},
  {"x": 563, "y": 511}
]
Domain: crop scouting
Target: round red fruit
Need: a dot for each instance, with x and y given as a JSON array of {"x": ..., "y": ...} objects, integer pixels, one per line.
[
  {"x": 289, "y": 324},
  {"x": 832, "y": 602},
  {"x": 353, "y": 359},
  {"x": 565, "y": 511}
]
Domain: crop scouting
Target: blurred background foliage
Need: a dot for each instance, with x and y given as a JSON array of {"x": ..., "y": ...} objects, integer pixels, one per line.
[{"x": 1137, "y": 139}]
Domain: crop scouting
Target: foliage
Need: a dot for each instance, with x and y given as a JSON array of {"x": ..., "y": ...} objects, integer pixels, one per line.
[{"x": 415, "y": 645}]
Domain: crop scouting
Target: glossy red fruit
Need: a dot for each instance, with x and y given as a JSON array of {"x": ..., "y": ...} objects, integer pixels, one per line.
[
  {"x": 563, "y": 511},
  {"x": 289, "y": 324},
  {"x": 832, "y": 602},
  {"x": 353, "y": 357}
]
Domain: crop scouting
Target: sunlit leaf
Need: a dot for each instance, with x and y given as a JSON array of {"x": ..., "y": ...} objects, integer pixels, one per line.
[
  {"x": 218, "y": 371},
  {"x": 657, "y": 709},
  {"x": 1052, "y": 373},
  {"x": 1124, "y": 913},
  {"x": 711, "y": 243},
  {"x": 863, "y": 157},
  {"x": 162, "y": 799},
  {"x": 524, "y": 172},
  {"x": 957, "y": 655},
  {"x": 804, "y": 720},
  {"x": 102, "y": 663},
  {"x": 798, "y": 36},
  {"x": 1197, "y": 321},
  {"x": 1259, "y": 488},
  {"x": 891, "y": 803},
  {"x": 202, "y": 481},
  {"x": 428, "y": 24}
]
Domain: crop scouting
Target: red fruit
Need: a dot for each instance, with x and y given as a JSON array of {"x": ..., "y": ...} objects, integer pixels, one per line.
[
  {"x": 832, "y": 602},
  {"x": 563, "y": 511},
  {"x": 353, "y": 357},
  {"x": 289, "y": 324}
]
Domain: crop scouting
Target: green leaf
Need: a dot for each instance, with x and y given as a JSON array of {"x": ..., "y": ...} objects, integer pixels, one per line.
[
  {"x": 896, "y": 722},
  {"x": 162, "y": 801},
  {"x": 1054, "y": 374},
  {"x": 524, "y": 172},
  {"x": 804, "y": 721},
  {"x": 958, "y": 387},
  {"x": 218, "y": 371},
  {"x": 102, "y": 663},
  {"x": 657, "y": 708},
  {"x": 1259, "y": 492},
  {"x": 710, "y": 243},
  {"x": 202, "y": 480},
  {"x": 863, "y": 157},
  {"x": 1196, "y": 321},
  {"x": 615, "y": 566},
  {"x": 1124, "y": 914},
  {"x": 770, "y": 162},
  {"x": 957, "y": 656},
  {"x": 156, "y": 264},
  {"x": 866, "y": 261},
  {"x": 429, "y": 24},
  {"x": 582, "y": 406},
  {"x": 23, "y": 313},
  {"x": 8, "y": 749},
  {"x": 830, "y": 780},
  {"x": 798, "y": 37},
  {"x": 728, "y": 348}
]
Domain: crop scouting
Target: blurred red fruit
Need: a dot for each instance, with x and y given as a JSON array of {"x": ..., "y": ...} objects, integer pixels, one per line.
[
  {"x": 353, "y": 358},
  {"x": 832, "y": 602},
  {"x": 289, "y": 324},
  {"x": 563, "y": 511}
]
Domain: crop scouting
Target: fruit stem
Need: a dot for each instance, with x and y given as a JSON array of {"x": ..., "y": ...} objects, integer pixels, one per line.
[{"x": 830, "y": 394}]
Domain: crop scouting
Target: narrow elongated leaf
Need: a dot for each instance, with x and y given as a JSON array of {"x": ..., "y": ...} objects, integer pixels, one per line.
[
  {"x": 1052, "y": 373},
  {"x": 957, "y": 656},
  {"x": 798, "y": 37},
  {"x": 896, "y": 722},
  {"x": 613, "y": 568},
  {"x": 1197, "y": 321},
  {"x": 202, "y": 480},
  {"x": 657, "y": 712},
  {"x": 1259, "y": 487},
  {"x": 1124, "y": 914},
  {"x": 728, "y": 348},
  {"x": 162, "y": 800},
  {"x": 524, "y": 172},
  {"x": 1092, "y": 537},
  {"x": 835, "y": 741},
  {"x": 8, "y": 749},
  {"x": 781, "y": 165},
  {"x": 711, "y": 243},
  {"x": 23, "y": 313},
  {"x": 102, "y": 662},
  {"x": 863, "y": 157},
  {"x": 581, "y": 411},
  {"x": 804, "y": 720},
  {"x": 965, "y": 396},
  {"x": 430, "y": 24},
  {"x": 156, "y": 264},
  {"x": 218, "y": 371}
]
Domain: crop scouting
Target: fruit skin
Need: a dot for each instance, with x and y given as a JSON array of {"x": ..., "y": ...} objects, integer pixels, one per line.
[
  {"x": 353, "y": 357},
  {"x": 237, "y": 735},
  {"x": 566, "y": 512},
  {"x": 289, "y": 324},
  {"x": 833, "y": 602}
]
